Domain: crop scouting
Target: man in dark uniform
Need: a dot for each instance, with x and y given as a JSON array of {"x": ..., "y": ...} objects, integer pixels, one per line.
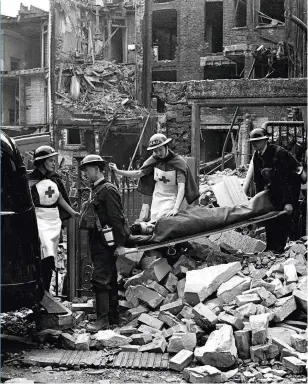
[
  {"x": 275, "y": 169},
  {"x": 109, "y": 213}
]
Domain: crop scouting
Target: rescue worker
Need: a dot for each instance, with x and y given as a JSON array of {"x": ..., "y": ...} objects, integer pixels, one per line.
[
  {"x": 106, "y": 201},
  {"x": 52, "y": 206},
  {"x": 166, "y": 176},
  {"x": 275, "y": 169}
]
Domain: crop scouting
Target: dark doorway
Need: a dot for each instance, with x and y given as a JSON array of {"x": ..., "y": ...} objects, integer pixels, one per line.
[{"x": 164, "y": 34}]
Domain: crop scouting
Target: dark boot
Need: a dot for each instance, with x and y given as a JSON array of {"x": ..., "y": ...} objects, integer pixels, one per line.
[
  {"x": 47, "y": 265},
  {"x": 102, "y": 311}
]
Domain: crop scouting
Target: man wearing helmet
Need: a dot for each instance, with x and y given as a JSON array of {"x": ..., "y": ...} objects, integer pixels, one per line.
[
  {"x": 109, "y": 215},
  {"x": 166, "y": 176},
  {"x": 275, "y": 169},
  {"x": 51, "y": 206}
]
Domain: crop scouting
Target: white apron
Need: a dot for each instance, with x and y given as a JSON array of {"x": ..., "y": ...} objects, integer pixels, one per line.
[
  {"x": 165, "y": 193},
  {"x": 48, "y": 219}
]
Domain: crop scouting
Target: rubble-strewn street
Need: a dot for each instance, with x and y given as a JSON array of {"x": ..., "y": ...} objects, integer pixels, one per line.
[{"x": 240, "y": 321}]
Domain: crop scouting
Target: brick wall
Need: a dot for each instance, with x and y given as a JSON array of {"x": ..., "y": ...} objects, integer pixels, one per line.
[{"x": 191, "y": 39}]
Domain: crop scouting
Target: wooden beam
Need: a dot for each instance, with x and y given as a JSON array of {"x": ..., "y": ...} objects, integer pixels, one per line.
[
  {"x": 195, "y": 137},
  {"x": 264, "y": 101}
]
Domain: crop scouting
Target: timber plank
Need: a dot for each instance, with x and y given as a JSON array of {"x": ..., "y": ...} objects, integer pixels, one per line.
[
  {"x": 70, "y": 362},
  {"x": 98, "y": 359},
  {"x": 118, "y": 360},
  {"x": 65, "y": 358},
  {"x": 125, "y": 359},
  {"x": 151, "y": 360},
  {"x": 165, "y": 361},
  {"x": 91, "y": 358},
  {"x": 131, "y": 359},
  {"x": 144, "y": 359},
  {"x": 84, "y": 358},
  {"x": 157, "y": 360},
  {"x": 78, "y": 358},
  {"x": 137, "y": 360},
  {"x": 44, "y": 357}
]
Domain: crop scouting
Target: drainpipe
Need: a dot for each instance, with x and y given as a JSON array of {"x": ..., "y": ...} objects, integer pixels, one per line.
[{"x": 50, "y": 92}]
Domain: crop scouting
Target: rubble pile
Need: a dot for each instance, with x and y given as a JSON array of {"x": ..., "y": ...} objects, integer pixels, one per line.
[
  {"x": 207, "y": 197},
  {"x": 215, "y": 321},
  {"x": 105, "y": 88}
]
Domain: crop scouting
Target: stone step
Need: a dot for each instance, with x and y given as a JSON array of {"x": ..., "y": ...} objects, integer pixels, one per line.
[{"x": 98, "y": 359}]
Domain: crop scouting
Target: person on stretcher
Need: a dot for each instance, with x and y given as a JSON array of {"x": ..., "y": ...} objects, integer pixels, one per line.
[{"x": 166, "y": 176}]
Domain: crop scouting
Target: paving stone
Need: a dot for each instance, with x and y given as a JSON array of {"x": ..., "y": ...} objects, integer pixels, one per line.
[
  {"x": 259, "y": 328},
  {"x": 157, "y": 345},
  {"x": 215, "y": 305},
  {"x": 290, "y": 274},
  {"x": 83, "y": 342},
  {"x": 151, "y": 321},
  {"x": 141, "y": 338},
  {"x": 263, "y": 352},
  {"x": 194, "y": 328},
  {"x": 146, "y": 329},
  {"x": 167, "y": 333},
  {"x": 127, "y": 330},
  {"x": 179, "y": 341},
  {"x": 109, "y": 338},
  {"x": 267, "y": 298},
  {"x": 243, "y": 343},
  {"x": 133, "y": 313},
  {"x": 181, "y": 360},
  {"x": 171, "y": 283},
  {"x": 220, "y": 350},
  {"x": 299, "y": 343},
  {"x": 235, "y": 322},
  {"x": 202, "y": 374},
  {"x": 201, "y": 283},
  {"x": 125, "y": 263},
  {"x": 158, "y": 270},
  {"x": 283, "y": 308},
  {"x": 233, "y": 287},
  {"x": 186, "y": 313},
  {"x": 67, "y": 340},
  {"x": 294, "y": 364},
  {"x": 262, "y": 283},
  {"x": 130, "y": 348},
  {"x": 168, "y": 318},
  {"x": 170, "y": 298},
  {"x": 204, "y": 316},
  {"x": 147, "y": 296},
  {"x": 226, "y": 376},
  {"x": 174, "y": 308},
  {"x": 301, "y": 299},
  {"x": 180, "y": 288},
  {"x": 247, "y": 310},
  {"x": 157, "y": 287},
  {"x": 245, "y": 299}
]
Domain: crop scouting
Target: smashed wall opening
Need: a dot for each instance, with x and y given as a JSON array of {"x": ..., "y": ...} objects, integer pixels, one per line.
[
  {"x": 232, "y": 71},
  {"x": 271, "y": 67},
  {"x": 271, "y": 12},
  {"x": 240, "y": 19},
  {"x": 214, "y": 26},
  {"x": 164, "y": 34},
  {"x": 164, "y": 75}
]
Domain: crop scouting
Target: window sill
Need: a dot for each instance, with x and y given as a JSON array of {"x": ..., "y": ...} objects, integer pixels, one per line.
[{"x": 240, "y": 28}]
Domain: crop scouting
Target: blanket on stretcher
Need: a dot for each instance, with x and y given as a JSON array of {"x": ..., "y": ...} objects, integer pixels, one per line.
[{"x": 196, "y": 219}]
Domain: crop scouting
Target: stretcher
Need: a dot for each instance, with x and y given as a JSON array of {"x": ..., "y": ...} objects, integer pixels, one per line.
[{"x": 171, "y": 243}]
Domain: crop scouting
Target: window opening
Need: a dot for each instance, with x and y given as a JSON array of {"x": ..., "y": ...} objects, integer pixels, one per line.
[
  {"x": 214, "y": 26},
  {"x": 271, "y": 12},
  {"x": 240, "y": 13},
  {"x": 15, "y": 64},
  {"x": 73, "y": 136},
  {"x": 164, "y": 34}
]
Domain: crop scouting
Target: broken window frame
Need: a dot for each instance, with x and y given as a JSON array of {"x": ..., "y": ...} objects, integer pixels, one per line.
[
  {"x": 236, "y": 10},
  {"x": 69, "y": 130},
  {"x": 44, "y": 45},
  {"x": 262, "y": 16}
]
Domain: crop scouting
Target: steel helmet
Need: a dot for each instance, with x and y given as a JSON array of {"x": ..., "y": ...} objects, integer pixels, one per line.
[
  {"x": 158, "y": 140},
  {"x": 257, "y": 134},
  {"x": 91, "y": 160},
  {"x": 43, "y": 152}
]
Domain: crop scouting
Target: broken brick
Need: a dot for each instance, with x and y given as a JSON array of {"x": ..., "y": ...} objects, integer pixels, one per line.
[
  {"x": 233, "y": 287},
  {"x": 294, "y": 364},
  {"x": 181, "y": 360},
  {"x": 173, "y": 308},
  {"x": 243, "y": 343},
  {"x": 150, "y": 321},
  {"x": 235, "y": 322},
  {"x": 204, "y": 316},
  {"x": 179, "y": 341}
]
